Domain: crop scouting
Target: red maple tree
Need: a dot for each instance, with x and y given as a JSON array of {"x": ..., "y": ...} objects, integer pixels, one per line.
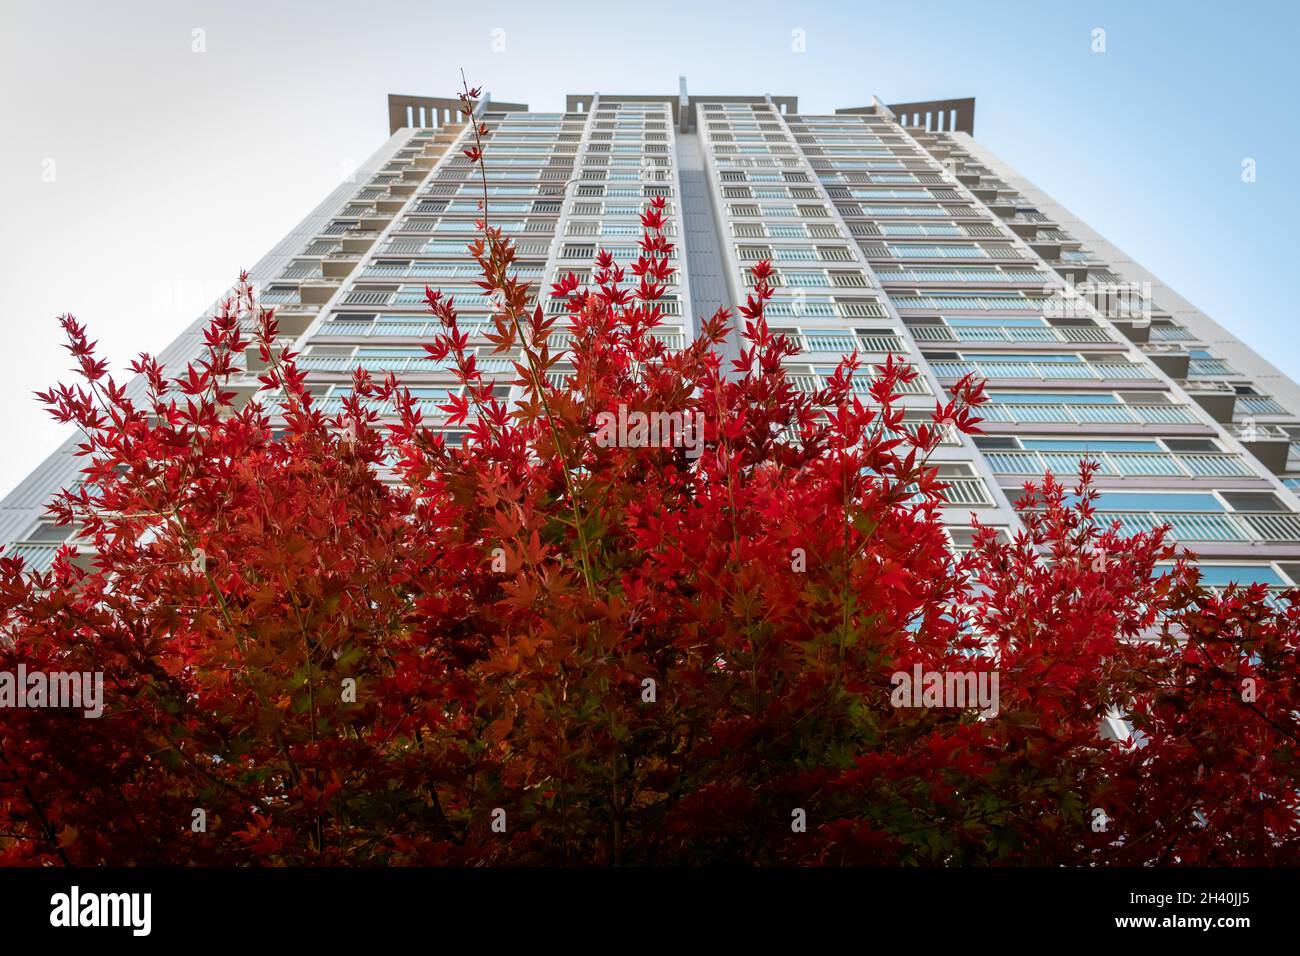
[{"x": 351, "y": 639}]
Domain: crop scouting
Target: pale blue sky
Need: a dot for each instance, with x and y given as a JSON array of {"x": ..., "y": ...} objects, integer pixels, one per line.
[{"x": 174, "y": 169}]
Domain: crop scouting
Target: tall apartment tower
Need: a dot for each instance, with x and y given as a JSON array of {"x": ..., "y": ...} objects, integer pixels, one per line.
[{"x": 892, "y": 232}]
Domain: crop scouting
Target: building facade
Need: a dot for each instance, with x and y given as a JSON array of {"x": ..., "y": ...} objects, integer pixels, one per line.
[{"x": 892, "y": 231}]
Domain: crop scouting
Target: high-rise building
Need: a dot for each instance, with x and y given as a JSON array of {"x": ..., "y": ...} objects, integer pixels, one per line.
[{"x": 892, "y": 230}]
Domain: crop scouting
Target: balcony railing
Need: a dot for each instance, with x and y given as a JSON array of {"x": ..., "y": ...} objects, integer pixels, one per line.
[
  {"x": 968, "y": 302},
  {"x": 429, "y": 406},
  {"x": 408, "y": 297},
  {"x": 1236, "y": 526},
  {"x": 965, "y": 491},
  {"x": 824, "y": 310},
  {"x": 489, "y": 366},
  {"x": 1001, "y": 333},
  {"x": 419, "y": 270},
  {"x": 1259, "y": 405},
  {"x": 961, "y": 275},
  {"x": 306, "y": 271},
  {"x": 1171, "y": 333},
  {"x": 38, "y": 555},
  {"x": 1203, "y": 366},
  {"x": 369, "y": 330},
  {"x": 1127, "y": 463},
  {"x": 1273, "y": 597},
  {"x": 372, "y": 363},
  {"x": 845, "y": 344},
  {"x": 861, "y": 383},
  {"x": 1089, "y": 414},
  {"x": 1258, "y": 433},
  {"x": 560, "y": 339},
  {"x": 367, "y": 298},
  {"x": 1042, "y": 370}
]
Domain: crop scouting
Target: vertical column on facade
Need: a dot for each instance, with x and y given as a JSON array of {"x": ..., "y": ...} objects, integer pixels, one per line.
[
  {"x": 627, "y": 158},
  {"x": 828, "y": 300}
]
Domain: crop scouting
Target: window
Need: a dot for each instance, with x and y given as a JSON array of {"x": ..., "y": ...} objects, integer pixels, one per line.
[
  {"x": 1052, "y": 398},
  {"x": 1221, "y": 575},
  {"x": 1253, "y": 501},
  {"x": 1084, "y": 445},
  {"x": 49, "y": 531},
  {"x": 1158, "y": 501}
]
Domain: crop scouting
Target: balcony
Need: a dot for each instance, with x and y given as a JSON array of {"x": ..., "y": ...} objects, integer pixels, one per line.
[
  {"x": 396, "y": 330},
  {"x": 845, "y": 344},
  {"x": 1071, "y": 334},
  {"x": 427, "y": 406},
  {"x": 1121, "y": 464},
  {"x": 39, "y": 555},
  {"x": 371, "y": 363},
  {"x": 966, "y": 491},
  {"x": 281, "y": 298},
  {"x": 812, "y": 309},
  {"x": 1274, "y": 597},
  {"x": 1064, "y": 413},
  {"x": 1259, "y": 405},
  {"x": 357, "y": 245},
  {"x": 505, "y": 363},
  {"x": 317, "y": 291},
  {"x": 1171, "y": 333},
  {"x": 563, "y": 339},
  {"x": 1024, "y": 227},
  {"x": 293, "y": 320},
  {"x": 1270, "y": 444},
  {"x": 1137, "y": 331},
  {"x": 1219, "y": 399},
  {"x": 465, "y": 298},
  {"x": 1266, "y": 528},
  {"x": 425, "y": 270},
  {"x": 1209, "y": 366},
  {"x": 861, "y": 384},
  {"x": 1095, "y": 371},
  {"x": 969, "y": 303},
  {"x": 982, "y": 276},
  {"x": 339, "y": 265},
  {"x": 1049, "y": 249},
  {"x": 1171, "y": 359},
  {"x": 365, "y": 297}
]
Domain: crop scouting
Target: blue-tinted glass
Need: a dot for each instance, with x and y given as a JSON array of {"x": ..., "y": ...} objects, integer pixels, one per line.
[
  {"x": 1220, "y": 575},
  {"x": 1083, "y": 444},
  {"x": 1157, "y": 501},
  {"x": 1052, "y": 398}
]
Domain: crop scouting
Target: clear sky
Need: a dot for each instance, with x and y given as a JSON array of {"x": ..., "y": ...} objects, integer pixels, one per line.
[{"x": 138, "y": 175}]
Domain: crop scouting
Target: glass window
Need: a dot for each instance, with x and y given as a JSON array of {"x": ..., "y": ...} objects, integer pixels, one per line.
[
  {"x": 1157, "y": 501},
  {"x": 1016, "y": 357},
  {"x": 1001, "y": 321},
  {"x": 1219, "y": 575},
  {"x": 1084, "y": 444},
  {"x": 1054, "y": 398}
]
